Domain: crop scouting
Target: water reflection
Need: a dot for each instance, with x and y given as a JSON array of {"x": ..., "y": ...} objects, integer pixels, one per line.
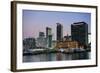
[{"x": 56, "y": 57}]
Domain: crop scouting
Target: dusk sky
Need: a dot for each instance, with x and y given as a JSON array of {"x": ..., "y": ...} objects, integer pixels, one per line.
[{"x": 37, "y": 21}]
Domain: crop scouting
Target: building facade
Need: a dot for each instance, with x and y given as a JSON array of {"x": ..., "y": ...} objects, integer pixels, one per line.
[
  {"x": 79, "y": 32},
  {"x": 49, "y": 37},
  {"x": 67, "y": 44},
  {"x": 29, "y": 43},
  {"x": 41, "y": 41},
  {"x": 59, "y": 32}
]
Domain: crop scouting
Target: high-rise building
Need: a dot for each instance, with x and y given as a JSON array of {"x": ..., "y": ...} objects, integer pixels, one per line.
[
  {"x": 41, "y": 40},
  {"x": 79, "y": 32},
  {"x": 49, "y": 37},
  {"x": 59, "y": 32},
  {"x": 48, "y": 31}
]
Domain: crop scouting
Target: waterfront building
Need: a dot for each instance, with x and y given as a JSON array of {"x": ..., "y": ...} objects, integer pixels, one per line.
[
  {"x": 54, "y": 43},
  {"x": 41, "y": 40},
  {"x": 29, "y": 43},
  {"x": 48, "y": 31},
  {"x": 79, "y": 32},
  {"x": 59, "y": 32},
  {"x": 49, "y": 37},
  {"x": 67, "y": 44}
]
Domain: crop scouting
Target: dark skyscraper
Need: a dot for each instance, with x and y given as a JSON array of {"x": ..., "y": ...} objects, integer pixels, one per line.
[
  {"x": 49, "y": 37},
  {"x": 48, "y": 31},
  {"x": 59, "y": 32},
  {"x": 79, "y": 32}
]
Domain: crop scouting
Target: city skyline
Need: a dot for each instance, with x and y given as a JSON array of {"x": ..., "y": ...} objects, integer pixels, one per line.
[{"x": 37, "y": 21}]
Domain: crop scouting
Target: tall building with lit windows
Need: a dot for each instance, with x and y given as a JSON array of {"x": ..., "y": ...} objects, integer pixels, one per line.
[{"x": 79, "y": 32}]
